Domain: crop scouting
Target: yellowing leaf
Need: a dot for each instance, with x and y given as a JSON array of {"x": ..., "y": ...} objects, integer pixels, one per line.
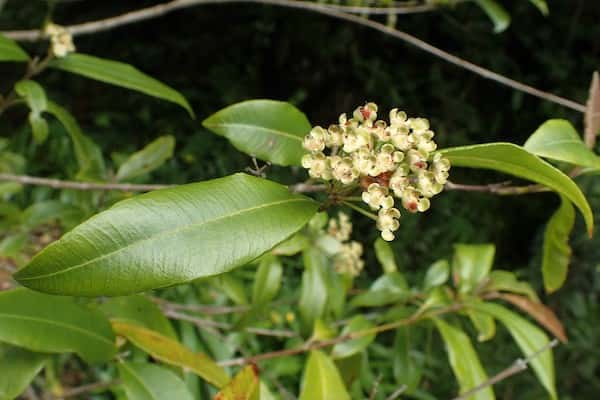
[{"x": 244, "y": 386}]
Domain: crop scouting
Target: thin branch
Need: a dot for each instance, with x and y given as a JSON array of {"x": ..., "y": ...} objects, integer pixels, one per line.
[
  {"x": 518, "y": 366},
  {"x": 162, "y": 9},
  {"x": 397, "y": 393},
  {"x": 92, "y": 387},
  {"x": 60, "y": 184},
  {"x": 200, "y": 308}
]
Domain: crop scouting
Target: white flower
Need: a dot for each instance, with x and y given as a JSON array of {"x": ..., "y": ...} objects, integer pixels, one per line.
[
  {"x": 343, "y": 170},
  {"x": 377, "y": 197},
  {"x": 61, "y": 40},
  {"x": 440, "y": 168},
  {"x": 335, "y": 136},
  {"x": 348, "y": 260},
  {"x": 315, "y": 140},
  {"x": 417, "y": 160},
  {"x": 319, "y": 167},
  {"x": 364, "y": 161},
  {"x": 387, "y": 223},
  {"x": 340, "y": 230},
  {"x": 356, "y": 139}
]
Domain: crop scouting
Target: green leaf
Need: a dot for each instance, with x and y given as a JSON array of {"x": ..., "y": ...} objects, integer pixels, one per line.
[
  {"x": 169, "y": 236},
  {"x": 35, "y": 97},
  {"x": 529, "y": 338},
  {"x": 407, "y": 368},
  {"x": 351, "y": 347},
  {"x": 472, "y": 264},
  {"x": 88, "y": 154},
  {"x": 512, "y": 159},
  {"x": 144, "y": 381},
  {"x": 172, "y": 352},
  {"x": 10, "y": 51},
  {"x": 483, "y": 323},
  {"x": 148, "y": 159},
  {"x": 269, "y": 130},
  {"x": 464, "y": 360},
  {"x": 557, "y": 252},
  {"x": 541, "y": 5},
  {"x": 233, "y": 287},
  {"x": 138, "y": 310},
  {"x": 322, "y": 380},
  {"x": 267, "y": 280},
  {"x": 18, "y": 367},
  {"x": 558, "y": 140},
  {"x": 437, "y": 274},
  {"x": 313, "y": 295},
  {"x": 496, "y": 13},
  {"x": 507, "y": 281},
  {"x": 244, "y": 386},
  {"x": 119, "y": 74},
  {"x": 44, "y": 212},
  {"x": 387, "y": 289},
  {"x": 54, "y": 324},
  {"x": 385, "y": 256},
  {"x": 292, "y": 246}
]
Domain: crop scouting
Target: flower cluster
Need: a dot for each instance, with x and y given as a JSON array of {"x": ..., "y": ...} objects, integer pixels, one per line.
[
  {"x": 348, "y": 259},
  {"x": 388, "y": 161},
  {"x": 61, "y": 40}
]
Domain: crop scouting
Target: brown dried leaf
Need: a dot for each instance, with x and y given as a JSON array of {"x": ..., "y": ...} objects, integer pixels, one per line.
[
  {"x": 592, "y": 112},
  {"x": 541, "y": 313}
]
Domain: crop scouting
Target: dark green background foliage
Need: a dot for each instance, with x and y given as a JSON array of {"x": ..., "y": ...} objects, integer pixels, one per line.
[{"x": 219, "y": 55}]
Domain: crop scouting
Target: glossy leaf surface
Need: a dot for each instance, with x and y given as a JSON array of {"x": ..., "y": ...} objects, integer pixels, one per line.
[{"x": 144, "y": 381}]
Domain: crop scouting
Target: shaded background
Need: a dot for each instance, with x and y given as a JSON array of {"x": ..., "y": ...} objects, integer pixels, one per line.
[{"x": 219, "y": 55}]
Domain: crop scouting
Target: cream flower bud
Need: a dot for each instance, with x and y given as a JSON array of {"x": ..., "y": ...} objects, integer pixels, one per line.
[
  {"x": 423, "y": 204},
  {"x": 356, "y": 139},
  {"x": 401, "y": 139},
  {"x": 340, "y": 228},
  {"x": 60, "y": 39},
  {"x": 410, "y": 200},
  {"x": 418, "y": 124},
  {"x": 417, "y": 160},
  {"x": 319, "y": 167},
  {"x": 315, "y": 140},
  {"x": 364, "y": 161},
  {"x": 377, "y": 196},
  {"x": 397, "y": 117},
  {"x": 440, "y": 168},
  {"x": 387, "y": 235},
  {"x": 387, "y": 222},
  {"x": 335, "y": 136},
  {"x": 307, "y": 160}
]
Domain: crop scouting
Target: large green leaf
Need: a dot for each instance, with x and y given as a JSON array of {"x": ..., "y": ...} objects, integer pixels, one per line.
[
  {"x": 88, "y": 154},
  {"x": 244, "y": 386},
  {"x": 144, "y": 381},
  {"x": 464, "y": 360},
  {"x": 472, "y": 264},
  {"x": 558, "y": 140},
  {"x": 18, "y": 367},
  {"x": 557, "y": 252},
  {"x": 322, "y": 380},
  {"x": 10, "y": 51},
  {"x": 512, "y": 159},
  {"x": 270, "y": 130},
  {"x": 54, "y": 324},
  {"x": 496, "y": 13},
  {"x": 148, "y": 159},
  {"x": 139, "y": 310},
  {"x": 119, "y": 74},
  {"x": 169, "y": 236},
  {"x": 529, "y": 338},
  {"x": 35, "y": 97},
  {"x": 350, "y": 347}
]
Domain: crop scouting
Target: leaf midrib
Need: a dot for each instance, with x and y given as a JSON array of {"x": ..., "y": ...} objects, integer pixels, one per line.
[
  {"x": 250, "y": 126},
  {"x": 139, "y": 380},
  {"x": 59, "y": 324},
  {"x": 160, "y": 234}
]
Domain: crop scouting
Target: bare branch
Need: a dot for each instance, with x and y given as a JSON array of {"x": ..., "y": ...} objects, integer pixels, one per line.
[
  {"x": 200, "y": 308},
  {"x": 92, "y": 387},
  {"x": 397, "y": 393},
  {"x": 518, "y": 366},
  {"x": 592, "y": 112},
  {"x": 162, "y": 9},
  {"x": 60, "y": 184}
]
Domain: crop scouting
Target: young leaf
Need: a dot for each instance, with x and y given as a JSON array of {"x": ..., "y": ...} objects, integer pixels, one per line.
[
  {"x": 35, "y": 96},
  {"x": 322, "y": 380},
  {"x": 54, "y": 324},
  {"x": 472, "y": 264},
  {"x": 313, "y": 296},
  {"x": 557, "y": 252},
  {"x": 169, "y": 236},
  {"x": 437, "y": 274},
  {"x": 138, "y": 310},
  {"x": 18, "y": 367},
  {"x": 557, "y": 139},
  {"x": 172, "y": 352},
  {"x": 148, "y": 159},
  {"x": 119, "y": 74},
  {"x": 407, "y": 369},
  {"x": 88, "y": 154},
  {"x": 244, "y": 386},
  {"x": 483, "y": 323},
  {"x": 542, "y": 314},
  {"x": 512, "y": 159},
  {"x": 507, "y": 281},
  {"x": 464, "y": 360},
  {"x": 267, "y": 280},
  {"x": 385, "y": 256},
  {"x": 10, "y": 51},
  {"x": 529, "y": 338},
  {"x": 144, "y": 381},
  {"x": 270, "y": 130},
  {"x": 351, "y": 347},
  {"x": 496, "y": 13}
]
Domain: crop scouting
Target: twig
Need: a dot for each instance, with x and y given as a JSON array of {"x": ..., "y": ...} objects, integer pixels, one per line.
[
  {"x": 77, "y": 391},
  {"x": 397, "y": 393},
  {"x": 375, "y": 387},
  {"x": 201, "y": 308},
  {"x": 60, "y": 184},
  {"x": 518, "y": 366},
  {"x": 592, "y": 113},
  {"x": 162, "y": 9}
]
